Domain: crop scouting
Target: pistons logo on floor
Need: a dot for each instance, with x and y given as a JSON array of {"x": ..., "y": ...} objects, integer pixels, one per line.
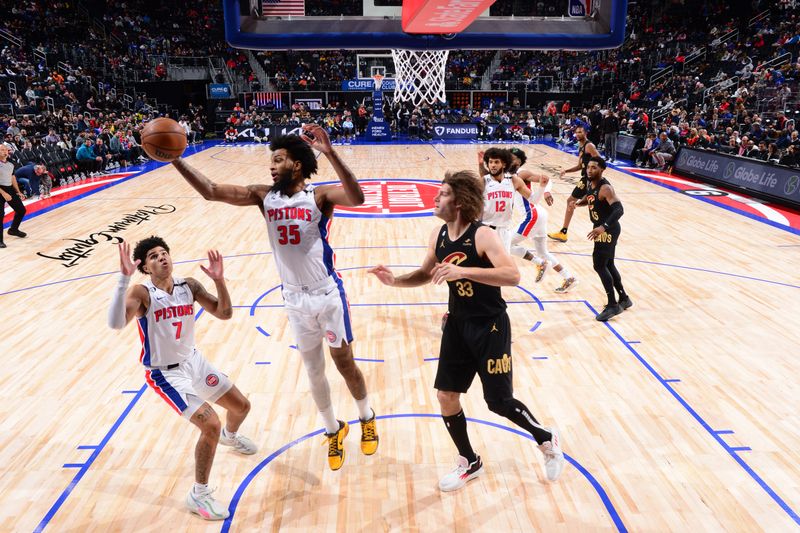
[
  {"x": 212, "y": 380},
  {"x": 389, "y": 198}
]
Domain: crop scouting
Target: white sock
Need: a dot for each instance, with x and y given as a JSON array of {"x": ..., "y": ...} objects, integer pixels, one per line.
[
  {"x": 200, "y": 488},
  {"x": 228, "y": 434},
  {"x": 566, "y": 274},
  {"x": 364, "y": 410},
  {"x": 328, "y": 418}
]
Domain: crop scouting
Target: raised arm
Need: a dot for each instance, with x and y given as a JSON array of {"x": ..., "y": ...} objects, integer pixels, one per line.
[
  {"x": 125, "y": 306},
  {"x": 418, "y": 277},
  {"x": 350, "y": 193},
  {"x": 482, "y": 170},
  {"x": 221, "y": 192},
  {"x": 521, "y": 187},
  {"x": 503, "y": 272},
  {"x": 220, "y": 305}
]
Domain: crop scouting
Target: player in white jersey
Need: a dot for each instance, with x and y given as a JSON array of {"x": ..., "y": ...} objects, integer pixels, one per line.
[
  {"x": 498, "y": 186},
  {"x": 174, "y": 367},
  {"x": 534, "y": 223},
  {"x": 298, "y": 217}
]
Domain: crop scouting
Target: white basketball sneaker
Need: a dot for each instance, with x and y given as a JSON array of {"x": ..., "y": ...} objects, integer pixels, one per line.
[
  {"x": 206, "y": 506},
  {"x": 553, "y": 456},
  {"x": 462, "y": 473},
  {"x": 240, "y": 443}
]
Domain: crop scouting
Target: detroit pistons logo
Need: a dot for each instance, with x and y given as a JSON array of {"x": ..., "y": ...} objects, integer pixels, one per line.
[
  {"x": 393, "y": 198},
  {"x": 456, "y": 258},
  {"x": 212, "y": 380},
  {"x": 331, "y": 336}
]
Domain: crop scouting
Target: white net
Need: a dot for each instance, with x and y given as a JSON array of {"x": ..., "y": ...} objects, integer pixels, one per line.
[{"x": 419, "y": 75}]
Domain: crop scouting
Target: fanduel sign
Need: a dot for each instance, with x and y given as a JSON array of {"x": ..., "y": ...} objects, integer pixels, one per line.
[
  {"x": 741, "y": 173},
  {"x": 444, "y": 130},
  {"x": 366, "y": 85}
]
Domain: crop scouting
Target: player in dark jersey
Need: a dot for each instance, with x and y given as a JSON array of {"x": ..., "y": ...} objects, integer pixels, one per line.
[
  {"x": 476, "y": 339},
  {"x": 605, "y": 209},
  {"x": 586, "y": 151}
]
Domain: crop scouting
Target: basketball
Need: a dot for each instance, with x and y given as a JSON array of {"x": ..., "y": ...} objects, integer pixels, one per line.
[{"x": 163, "y": 139}]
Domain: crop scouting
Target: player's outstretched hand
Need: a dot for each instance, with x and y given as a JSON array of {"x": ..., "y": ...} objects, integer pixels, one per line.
[
  {"x": 446, "y": 272},
  {"x": 317, "y": 137},
  {"x": 548, "y": 198},
  {"x": 383, "y": 274},
  {"x": 215, "y": 269},
  {"x": 126, "y": 265},
  {"x": 596, "y": 232}
]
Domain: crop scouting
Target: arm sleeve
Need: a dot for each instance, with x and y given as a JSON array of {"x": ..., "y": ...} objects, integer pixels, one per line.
[
  {"x": 616, "y": 213},
  {"x": 116, "y": 313}
]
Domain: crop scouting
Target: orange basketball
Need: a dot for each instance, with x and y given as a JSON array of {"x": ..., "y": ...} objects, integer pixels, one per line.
[{"x": 163, "y": 139}]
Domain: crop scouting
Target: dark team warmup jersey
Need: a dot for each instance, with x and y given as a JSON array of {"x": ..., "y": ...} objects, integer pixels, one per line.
[
  {"x": 598, "y": 214},
  {"x": 468, "y": 298}
]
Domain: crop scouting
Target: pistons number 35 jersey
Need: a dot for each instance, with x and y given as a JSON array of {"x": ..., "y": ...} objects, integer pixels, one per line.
[
  {"x": 167, "y": 329},
  {"x": 298, "y": 233}
]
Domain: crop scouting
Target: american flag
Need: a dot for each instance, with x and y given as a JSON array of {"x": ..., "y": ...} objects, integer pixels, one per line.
[
  {"x": 276, "y": 8},
  {"x": 263, "y": 98}
]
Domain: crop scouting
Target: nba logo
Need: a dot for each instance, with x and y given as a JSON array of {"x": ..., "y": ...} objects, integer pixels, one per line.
[{"x": 579, "y": 8}]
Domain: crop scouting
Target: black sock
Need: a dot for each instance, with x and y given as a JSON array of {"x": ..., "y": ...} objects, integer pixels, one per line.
[
  {"x": 457, "y": 427},
  {"x": 563, "y": 230},
  {"x": 521, "y": 416}
]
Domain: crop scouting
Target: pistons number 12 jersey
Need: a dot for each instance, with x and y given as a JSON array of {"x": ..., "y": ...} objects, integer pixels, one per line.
[{"x": 498, "y": 201}]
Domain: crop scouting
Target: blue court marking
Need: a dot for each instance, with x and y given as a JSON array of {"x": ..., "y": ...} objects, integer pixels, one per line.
[
  {"x": 87, "y": 447},
  {"x": 263, "y": 363},
  {"x": 696, "y": 269},
  {"x": 137, "y": 170},
  {"x": 670, "y": 265},
  {"x": 200, "y": 312},
  {"x": 85, "y": 466},
  {"x": 430, "y": 359},
  {"x": 672, "y": 380},
  {"x": 539, "y": 357},
  {"x": 741, "y": 449},
  {"x": 293, "y": 347},
  {"x": 130, "y": 392},
  {"x": 260, "y": 330},
  {"x": 73, "y": 465},
  {"x": 368, "y": 360},
  {"x": 535, "y": 326},
  {"x": 708, "y": 200},
  {"x": 733, "y": 452},
  {"x": 226, "y": 525},
  {"x": 438, "y": 151},
  {"x": 634, "y": 342},
  {"x": 724, "y": 431}
]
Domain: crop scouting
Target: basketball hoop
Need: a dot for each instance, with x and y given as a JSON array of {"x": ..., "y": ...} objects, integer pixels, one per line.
[
  {"x": 378, "y": 78},
  {"x": 419, "y": 75}
]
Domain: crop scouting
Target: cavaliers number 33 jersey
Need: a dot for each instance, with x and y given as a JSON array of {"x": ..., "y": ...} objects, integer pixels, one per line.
[
  {"x": 167, "y": 329},
  {"x": 298, "y": 233},
  {"x": 468, "y": 299}
]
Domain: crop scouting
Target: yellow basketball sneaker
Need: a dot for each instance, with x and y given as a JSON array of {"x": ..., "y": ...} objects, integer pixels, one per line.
[
  {"x": 336, "y": 446},
  {"x": 560, "y": 236},
  {"x": 369, "y": 438}
]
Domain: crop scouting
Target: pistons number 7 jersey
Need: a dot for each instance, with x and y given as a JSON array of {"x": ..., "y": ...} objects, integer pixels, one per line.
[{"x": 298, "y": 233}]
